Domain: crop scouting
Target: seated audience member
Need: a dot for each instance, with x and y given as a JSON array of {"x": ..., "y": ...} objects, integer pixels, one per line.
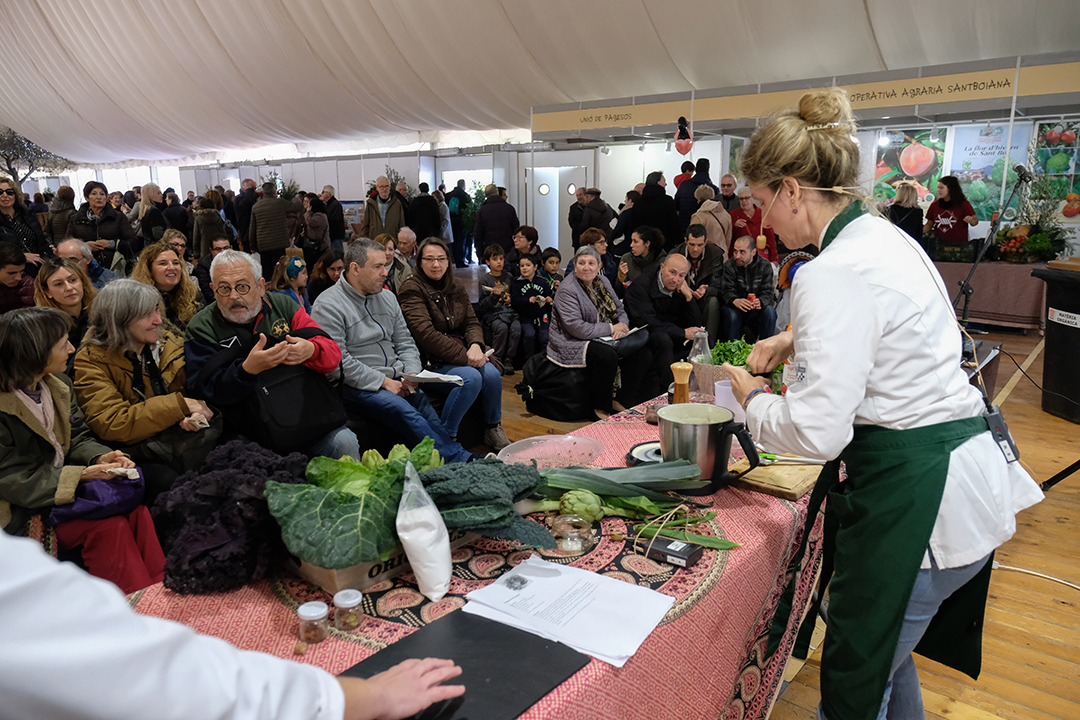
[
  {"x": 170, "y": 670},
  {"x": 406, "y": 247},
  {"x": 104, "y": 228},
  {"x": 531, "y": 298},
  {"x": 716, "y": 220},
  {"x": 16, "y": 287},
  {"x": 746, "y": 220},
  {"x": 663, "y": 303},
  {"x": 63, "y": 285},
  {"x": 442, "y": 322},
  {"x": 526, "y": 242},
  {"x": 79, "y": 253},
  {"x": 46, "y": 450},
  {"x": 646, "y": 252},
  {"x": 201, "y": 273},
  {"x": 160, "y": 266},
  {"x": 325, "y": 273},
  {"x": 290, "y": 279},
  {"x": 397, "y": 266},
  {"x": 377, "y": 351},
  {"x": 596, "y": 238},
  {"x": 747, "y": 289},
  {"x": 20, "y": 227},
  {"x": 246, "y": 318},
  {"x": 550, "y": 260},
  {"x": 586, "y": 310},
  {"x": 705, "y": 265},
  {"x": 493, "y": 308},
  {"x": 178, "y": 242},
  {"x": 129, "y": 380}
]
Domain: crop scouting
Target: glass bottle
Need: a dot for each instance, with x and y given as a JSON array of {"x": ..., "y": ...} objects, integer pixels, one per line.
[{"x": 701, "y": 355}]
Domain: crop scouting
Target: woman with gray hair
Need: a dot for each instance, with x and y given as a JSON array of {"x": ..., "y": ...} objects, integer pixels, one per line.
[
  {"x": 129, "y": 380},
  {"x": 589, "y": 330}
]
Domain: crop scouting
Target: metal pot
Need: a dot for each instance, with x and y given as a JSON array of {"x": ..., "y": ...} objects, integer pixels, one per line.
[{"x": 701, "y": 434}]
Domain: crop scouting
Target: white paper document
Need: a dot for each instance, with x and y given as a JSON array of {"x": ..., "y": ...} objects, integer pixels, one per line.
[
  {"x": 597, "y": 615},
  {"x": 632, "y": 331},
  {"x": 426, "y": 376}
]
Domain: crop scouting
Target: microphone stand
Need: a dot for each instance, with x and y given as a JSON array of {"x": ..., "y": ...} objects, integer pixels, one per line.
[{"x": 965, "y": 287}]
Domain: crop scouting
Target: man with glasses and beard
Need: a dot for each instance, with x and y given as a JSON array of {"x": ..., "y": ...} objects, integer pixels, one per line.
[{"x": 243, "y": 315}]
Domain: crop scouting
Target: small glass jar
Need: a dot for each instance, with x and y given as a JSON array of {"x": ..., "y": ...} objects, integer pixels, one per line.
[
  {"x": 347, "y": 611},
  {"x": 573, "y": 534},
  {"x": 314, "y": 626}
]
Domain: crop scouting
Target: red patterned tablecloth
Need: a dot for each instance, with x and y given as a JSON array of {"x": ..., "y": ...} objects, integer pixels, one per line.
[{"x": 705, "y": 660}]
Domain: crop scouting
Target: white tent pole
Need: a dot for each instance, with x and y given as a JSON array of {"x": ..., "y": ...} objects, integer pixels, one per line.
[{"x": 1008, "y": 142}]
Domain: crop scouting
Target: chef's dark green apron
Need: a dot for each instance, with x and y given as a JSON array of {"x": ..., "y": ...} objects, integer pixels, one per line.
[{"x": 877, "y": 529}]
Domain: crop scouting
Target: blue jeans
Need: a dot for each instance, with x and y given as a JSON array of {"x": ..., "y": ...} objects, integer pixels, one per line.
[
  {"x": 335, "y": 444},
  {"x": 485, "y": 383},
  {"x": 411, "y": 417},
  {"x": 763, "y": 320},
  {"x": 903, "y": 696}
]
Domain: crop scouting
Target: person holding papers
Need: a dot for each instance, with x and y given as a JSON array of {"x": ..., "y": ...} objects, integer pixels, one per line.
[
  {"x": 377, "y": 351},
  {"x": 589, "y": 329},
  {"x": 438, "y": 312}
]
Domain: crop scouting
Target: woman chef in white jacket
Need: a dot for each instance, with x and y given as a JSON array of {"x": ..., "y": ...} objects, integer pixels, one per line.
[{"x": 928, "y": 494}]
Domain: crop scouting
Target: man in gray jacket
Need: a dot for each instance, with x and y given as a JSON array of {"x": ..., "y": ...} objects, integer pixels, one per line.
[{"x": 377, "y": 351}]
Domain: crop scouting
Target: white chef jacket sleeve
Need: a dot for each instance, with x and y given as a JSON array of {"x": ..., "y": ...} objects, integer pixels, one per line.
[
  {"x": 73, "y": 648},
  {"x": 836, "y": 329}
]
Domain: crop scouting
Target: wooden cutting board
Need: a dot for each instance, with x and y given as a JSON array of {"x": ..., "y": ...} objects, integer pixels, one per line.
[{"x": 789, "y": 482}]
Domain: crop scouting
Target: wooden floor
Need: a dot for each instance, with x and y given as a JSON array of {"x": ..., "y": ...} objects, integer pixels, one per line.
[{"x": 1031, "y": 651}]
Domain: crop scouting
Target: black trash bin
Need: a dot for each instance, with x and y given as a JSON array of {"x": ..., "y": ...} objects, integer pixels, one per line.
[{"x": 1062, "y": 353}]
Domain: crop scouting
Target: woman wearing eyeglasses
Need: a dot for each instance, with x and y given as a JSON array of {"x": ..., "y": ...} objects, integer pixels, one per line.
[
  {"x": 20, "y": 228},
  {"x": 442, "y": 322},
  {"x": 129, "y": 380}
]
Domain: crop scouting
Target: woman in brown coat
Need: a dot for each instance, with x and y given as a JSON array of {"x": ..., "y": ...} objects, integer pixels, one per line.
[{"x": 441, "y": 319}]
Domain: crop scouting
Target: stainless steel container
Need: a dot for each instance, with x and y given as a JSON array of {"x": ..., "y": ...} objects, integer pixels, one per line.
[{"x": 701, "y": 434}]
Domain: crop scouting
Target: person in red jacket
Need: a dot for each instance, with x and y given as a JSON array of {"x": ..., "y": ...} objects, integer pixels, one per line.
[
  {"x": 244, "y": 313},
  {"x": 746, "y": 220},
  {"x": 16, "y": 287}
]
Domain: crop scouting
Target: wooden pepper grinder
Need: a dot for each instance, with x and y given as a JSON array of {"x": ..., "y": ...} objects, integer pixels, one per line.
[{"x": 681, "y": 371}]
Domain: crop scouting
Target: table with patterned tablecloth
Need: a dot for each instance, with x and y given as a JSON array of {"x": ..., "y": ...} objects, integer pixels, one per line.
[{"x": 705, "y": 660}]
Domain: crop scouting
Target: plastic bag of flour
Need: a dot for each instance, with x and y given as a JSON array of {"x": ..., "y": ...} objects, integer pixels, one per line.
[{"x": 424, "y": 537}]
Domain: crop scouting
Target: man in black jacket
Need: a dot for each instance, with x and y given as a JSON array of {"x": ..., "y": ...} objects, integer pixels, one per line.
[
  {"x": 496, "y": 221},
  {"x": 244, "y": 202},
  {"x": 657, "y": 209},
  {"x": 705, "y": 261},
  {"x": 577, "y": 211},
  {"x": 422, "y": 214},
  {"x": 728, "y": 197},
  {"x": 662, "y": 302},
  {"x": 747, "y": 292},
  {"x": 457, "y": 223},
  {"x": 597, "y": 213},
  {"x": 335, "y": 217},
  {"x": 201, "y": 273},
  {"x": 684, "y": 196}
]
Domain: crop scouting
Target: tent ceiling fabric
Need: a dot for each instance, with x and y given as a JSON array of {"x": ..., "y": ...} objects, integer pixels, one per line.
[{"x": 202, "y": 76}]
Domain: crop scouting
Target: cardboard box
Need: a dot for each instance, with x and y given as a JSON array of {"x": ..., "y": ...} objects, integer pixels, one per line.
[{"x": 364, "y": 575}]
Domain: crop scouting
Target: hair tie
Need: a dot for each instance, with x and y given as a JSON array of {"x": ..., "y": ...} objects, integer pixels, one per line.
[{"x": 822, "y": 126}]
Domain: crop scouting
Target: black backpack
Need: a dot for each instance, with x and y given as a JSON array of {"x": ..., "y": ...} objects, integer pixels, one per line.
[
  {"x": 292, "y": 405},
  {"x": 555, "y": 392}
]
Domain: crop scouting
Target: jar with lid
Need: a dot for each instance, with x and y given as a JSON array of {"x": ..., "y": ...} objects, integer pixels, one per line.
[
  {"x": 347, "y": 611},
  {"x": 314, "y": 626}
]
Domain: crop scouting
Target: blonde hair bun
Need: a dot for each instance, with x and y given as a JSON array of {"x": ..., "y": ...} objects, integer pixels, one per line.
[{"x": 822, "y": 107}]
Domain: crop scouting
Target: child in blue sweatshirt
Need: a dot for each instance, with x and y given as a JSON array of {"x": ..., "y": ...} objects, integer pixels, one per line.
[{"x": 531, "y": 298}]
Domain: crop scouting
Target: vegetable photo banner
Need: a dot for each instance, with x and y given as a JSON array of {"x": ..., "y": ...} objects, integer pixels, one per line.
[
  {"x": 913, "y": 155},
  {"x": 975, "y": 154}
]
